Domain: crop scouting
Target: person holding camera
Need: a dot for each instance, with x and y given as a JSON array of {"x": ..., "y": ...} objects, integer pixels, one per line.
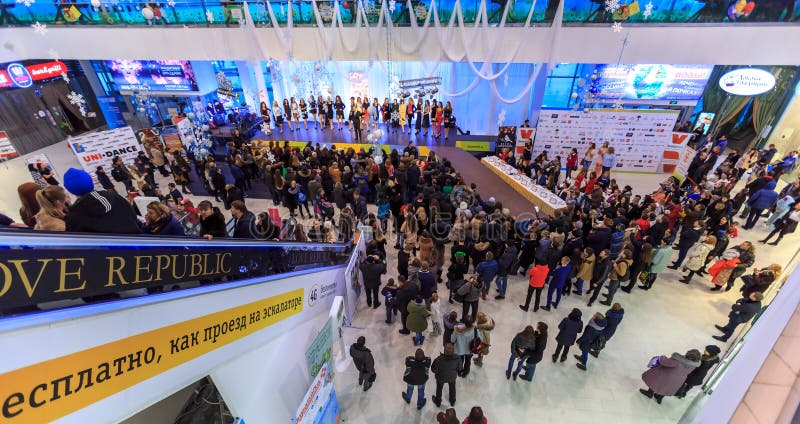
[
  {"x": 371, "y": 269},
  {"x": 471, "y": 293}
]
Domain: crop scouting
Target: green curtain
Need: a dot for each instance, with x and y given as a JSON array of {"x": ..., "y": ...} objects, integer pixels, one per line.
[{"x": 767, "y": 105}]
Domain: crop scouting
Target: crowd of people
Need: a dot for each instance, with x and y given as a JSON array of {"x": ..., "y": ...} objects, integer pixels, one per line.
[
  {"x": 607, "y": 241},
  {"x": 425, "y": 116}
]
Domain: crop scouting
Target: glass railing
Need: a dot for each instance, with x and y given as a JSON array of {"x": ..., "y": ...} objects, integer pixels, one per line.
[
  {"x": 215, "y": 13},
  {"x": 222, "y": 14}
]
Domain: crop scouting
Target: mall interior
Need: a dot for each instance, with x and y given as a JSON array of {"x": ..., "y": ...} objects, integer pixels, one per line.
[{"x": 460, "y": 156}]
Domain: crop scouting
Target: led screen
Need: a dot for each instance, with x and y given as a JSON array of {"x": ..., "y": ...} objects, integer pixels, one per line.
[
  {"x": 158, "y": 75},
  {"x": 653, "y": 82}
]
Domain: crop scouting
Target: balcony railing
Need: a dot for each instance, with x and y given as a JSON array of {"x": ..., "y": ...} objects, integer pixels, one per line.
[{"x": 221, "y": 14}]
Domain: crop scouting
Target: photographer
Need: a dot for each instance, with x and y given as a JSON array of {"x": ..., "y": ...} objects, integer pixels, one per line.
[{"x": 371, "y": 269}]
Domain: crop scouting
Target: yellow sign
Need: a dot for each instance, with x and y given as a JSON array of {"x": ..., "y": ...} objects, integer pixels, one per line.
[
  {"x": 474, "y": 146},
  {"x": 53, "y": 389}
]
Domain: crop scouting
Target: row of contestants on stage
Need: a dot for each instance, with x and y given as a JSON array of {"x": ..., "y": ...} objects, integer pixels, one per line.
[{"x": 405, "y": 114}]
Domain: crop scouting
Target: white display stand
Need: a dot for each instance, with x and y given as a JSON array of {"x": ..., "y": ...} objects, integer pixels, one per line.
[{"x": 639, "y": 137}]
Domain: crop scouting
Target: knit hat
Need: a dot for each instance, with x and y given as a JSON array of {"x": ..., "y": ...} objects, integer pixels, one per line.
[
  {"x": 713, "y": 349},
  {"x": 463, "y": 205},
  {"x": 78, "y": 182}
]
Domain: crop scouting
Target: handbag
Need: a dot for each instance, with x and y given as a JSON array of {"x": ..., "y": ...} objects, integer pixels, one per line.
[
  {"x": 643, "y": 276},
  {"x": 653, "y": 362},
  {"x": 476, "y": 346}
]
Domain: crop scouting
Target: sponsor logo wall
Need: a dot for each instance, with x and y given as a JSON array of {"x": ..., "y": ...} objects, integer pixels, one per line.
[
  {"x": 639, "y": 137},
  {"x": 99, "y": 148}
]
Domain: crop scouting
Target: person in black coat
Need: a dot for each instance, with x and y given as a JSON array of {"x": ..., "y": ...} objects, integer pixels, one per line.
[
  {"x": 568, "y": 330},
  {"x": 103, "y": 179},
  {"x": 245, "y": 221},
  {"x": 613, "y": 318},
  {"x": 446, "y": 368},
  {"x": 695, "y": 378},
  {"x": 742, "y": 311},
  {"x": 600, "y": 273},
  {"x": 212, "y": 222},
  {"x": 535, "y": 354},
  {"x": 599, "y": 238},
  {"x": 416, "y": 375},
  {"x": 371, "y": 269},
  {"x": 689, "y": 236},
  {"x": 364, "y": 362},
  {"x": 403, "y": 258},
  {"x": 592, "y": 332},
  {"x": 456, "y": 271},
  {"x": 406, "y": 293},
  {"x": 97, "y": 211}
]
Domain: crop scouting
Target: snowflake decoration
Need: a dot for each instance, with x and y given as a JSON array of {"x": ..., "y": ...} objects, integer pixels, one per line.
[
  {"x": 209, "y": 17},
  {"x": 612, "y": 5},
  {"x": 617, "y": 27},
  {"x": 265, "y": 128},
  {"x": 391, "y": 5},
  {"x": 505, "y": 80},
  {"x": 27, "y": 3},
  {"x": 77, "y": 100},
  {"x": 270, "y": 156},
  {"x": 53, "y": 54},
  {"x": 648, "y": 10},
  {"x": 171, "y": 3},
  {"x": 65, "y": 76},
  {"x": 617, "y": 105},
  {"x": 242, "y": 23},
  {"x": 501, "y": 117},
  {"x": 39, "y": 28}
]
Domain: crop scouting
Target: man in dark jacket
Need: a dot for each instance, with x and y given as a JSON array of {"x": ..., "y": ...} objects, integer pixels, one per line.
[
  {"x": 219, "y": 182},
  {"x": 613, "y": 318},
  {"x": 364, "y": 362},
  {"x": 212, "y": 222},
  {"x": 416, "y": 375},
  {"x": 103, "y": 179},
  {"x": 689, "y": 236},
  {"x": 742, "y": 311},
  {"x": 405, "y": 294},
  {"x": 120, "y": 173},
  {"x": 97, "y": 211},
  {"x": 359, "y": 206},
  {"x": 599, "y": 238},
  {"x": 446, "y": 368},
  {"x": 600, "y": 273},
  {"x": 245, "y": 221},
  {"x": 507, "y": 263},
  {"x": 592, "y": 331},
  {"x": 760, "y": 200},
  {"x": 371, "y": 269}
]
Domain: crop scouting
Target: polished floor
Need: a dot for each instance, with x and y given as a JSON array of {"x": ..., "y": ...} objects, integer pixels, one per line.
[{"x": 670, "y": 317}]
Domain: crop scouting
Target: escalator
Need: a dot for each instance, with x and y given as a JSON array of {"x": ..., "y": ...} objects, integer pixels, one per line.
[{"x": 95, "y": 328}]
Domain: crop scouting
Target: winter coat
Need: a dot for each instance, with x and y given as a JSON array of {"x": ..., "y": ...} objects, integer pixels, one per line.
[
  {"x": 668, "y": 376},
  {"x": 416, "y": 372},
  {"x": 568, "y": 331},
  {"x": 363, "y": 360},
  {"x": 507, "y": 260},
  {"x": 601, "y": 270},
  {"x": 539, "y": 345},
  {"x": 764, "y": 198},
  {"x": 598, "y": 239},
  {"x": 470, "y": 292},
  {"x": 213, "y": 225},
  {"x": 372, "y": 271},
  {"x": 47, "y": 222},
  {"x": 560, "y": 275},
  {"x": 171, "y": 228},
  {"x": 617, "y": 239},
  {"x": 485, "y": 330},
  {"x": 661, "y": 259},
  {"x": 542, "y": 251},
  {"x": 426, "y": 250},
  {"x": 538, "y": 276},
  {"x": 591, "y": 332},
  {"x": 757, "y": 282},
  {"x": 446, "y": 368},
  {"x": 689, "y": 236},
  {"x": 102, "y": 212},
  {"x": 521, "y": 347},
  {"x": 743, "y": 310},
  {"x": 721, "y": 271},
  {"x": 487, "y": 270},
  {"x": 244, "y": 226},
  {"x": 461, "y": 338},
  {"x": 696, "y": 377},
  {"x": 406, "y": 294},
  {"x": 697, "y": 256},
  {"x": 585, "y": 272},
  {"x": 417, "y": 321},
  {"x": 613, "y": 318},
  {"x": 427, "y": 284}
]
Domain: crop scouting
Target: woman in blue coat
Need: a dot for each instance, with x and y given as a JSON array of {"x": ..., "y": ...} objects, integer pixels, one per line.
[
  {"x": 161, "y": 222},
  {"x": 568, "y": 331},
  {"x": 592, "y": 332},
  {"x": 613, "y": 318}
]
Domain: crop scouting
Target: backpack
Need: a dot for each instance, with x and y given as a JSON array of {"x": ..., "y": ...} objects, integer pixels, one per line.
[
  {"x": 301, "y": 196},
  {"x": 477, "y": 345},
  {"x": 599, "y": 343}
]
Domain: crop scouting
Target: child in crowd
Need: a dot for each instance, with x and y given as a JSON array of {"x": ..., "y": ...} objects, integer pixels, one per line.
[
  {"x": 389, "y": 293},
  {"x": 436, "y": 315}
]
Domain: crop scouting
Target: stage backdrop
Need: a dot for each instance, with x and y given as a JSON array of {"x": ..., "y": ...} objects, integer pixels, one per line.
[
  {"x": 639, "y": 137},
  {"x": 100, "y": 148}
]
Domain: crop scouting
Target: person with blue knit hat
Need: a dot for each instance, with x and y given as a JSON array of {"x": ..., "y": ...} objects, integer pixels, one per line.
[{"x": 97, "y": 212}]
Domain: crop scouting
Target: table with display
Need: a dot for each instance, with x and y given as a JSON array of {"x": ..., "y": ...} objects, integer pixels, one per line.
[{"x": 540, "y": 196}]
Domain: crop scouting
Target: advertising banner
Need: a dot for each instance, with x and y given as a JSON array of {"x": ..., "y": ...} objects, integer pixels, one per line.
[
  {"x": 101, "y": 371},
  {"x": 653, "y": 82},
  {"x": 320, "y": 350},
  {"x": 7, "y": 150},
  {"x": 523, "y": 136},
  {"x": 23, "y": 75},
  {"x": 100, "y": 148},
  {"x": 682, "y": 166},
  {"x": 36, "y": 163},
  {"x": 171, "y": 138},
  {"x": 319, "y": 406},
  {"x": 672, "y": 153},
  {"x": 639, "y": 137},
  {"x": 353, "y": 285},
  {"x": 111, "y": 111},
  {"x": 154, "y": 75},
  {"x": 506, "y": 138}
]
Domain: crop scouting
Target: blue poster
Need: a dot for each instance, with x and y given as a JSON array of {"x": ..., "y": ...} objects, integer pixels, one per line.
[
  {"x": 652, "y": 82},
  {"x": 111, "y": 111}
]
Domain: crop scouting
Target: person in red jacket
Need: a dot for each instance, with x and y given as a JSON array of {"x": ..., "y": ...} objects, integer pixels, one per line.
[
  {"x": 538, "y": 275},
  {"x": 572, "y": 162}
]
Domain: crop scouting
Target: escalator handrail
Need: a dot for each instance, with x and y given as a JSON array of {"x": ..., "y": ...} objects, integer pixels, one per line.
[{"x": 23, "y": 237}]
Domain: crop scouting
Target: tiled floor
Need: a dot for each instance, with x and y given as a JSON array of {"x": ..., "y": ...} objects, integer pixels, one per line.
[{"x": 670, "y": 317}]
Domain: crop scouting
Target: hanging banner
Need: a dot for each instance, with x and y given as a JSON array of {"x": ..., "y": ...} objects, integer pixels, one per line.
[
  {"x": 111, "y": 111},
  {"x": 320, "y": 350},
  {"x": 524, "y": 135},
  {"x": 672, "y": 153},
  {"x": 149, "y": 138},
  {"x": 682, "y": 166},
  {"x": 506, "y": 138},
  {"x": 100, "y": 148},
  {"x": 7, "y": 150},
  {"x": 319, "y": 406},
  {"x": 171, "y": 138},
  {"x": 353, "y": 285},
  {"x": 639, "y": 137}
]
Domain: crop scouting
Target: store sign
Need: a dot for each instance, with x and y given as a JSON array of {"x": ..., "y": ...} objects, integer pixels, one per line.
[
  {"x": 653, "y": 81},
  {"x": 17, "y": 75},
  {"x": 747, "y": 82},
  {"x": 7, "y": 150}
]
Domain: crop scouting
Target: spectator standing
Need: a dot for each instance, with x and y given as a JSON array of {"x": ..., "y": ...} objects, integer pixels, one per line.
[
  {"x": 417, "y": 321},
  {"x": 568, "y": 330},
  {"x": 463, "y": 335},
  {"x": 538, "y": 276},
  {"x": 741, "y": 312},
  {"x": 666, "y": 375},
  {"x": 470, "y": 293},
  {"x": 485, "y": 325},
  {"x": 416, "y": 375},
  {"x": 535, "y": 356},
  {"x": 613, "y": 318},
  {"x": 600, "y": 273},
  {"x": 589, "y": 339},
  {"x": 364, "y": 362},
  {"x": 695, "y": 378},
  {"x": 521, "y": 347},
  {"x": 446, "y": 368},
  {"x": 371, "y": 269},
  {"x": 558, "y": 279}
]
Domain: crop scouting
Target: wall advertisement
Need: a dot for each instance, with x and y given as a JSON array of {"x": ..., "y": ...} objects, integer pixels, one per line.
[
  {"x": 639, "y": 137},
  {"x": 353, "y": 284},
  {"x": 682, "y": 166},
  {"x": 320, "y": 350},
  {"x": 319, "y": 406},
  {"x": 99, "y": 148},
  {"x": 653, "y": 81},
  {"x": 7, "y": 150}
]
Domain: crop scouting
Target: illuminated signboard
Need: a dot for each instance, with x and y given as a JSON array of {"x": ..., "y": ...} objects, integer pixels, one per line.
[
  {"x": 17, "y": 75},
  {"x": 157, "y": 75},
  {"x": 653, "y": 82},
  {"x": 747, "y": 82}
]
